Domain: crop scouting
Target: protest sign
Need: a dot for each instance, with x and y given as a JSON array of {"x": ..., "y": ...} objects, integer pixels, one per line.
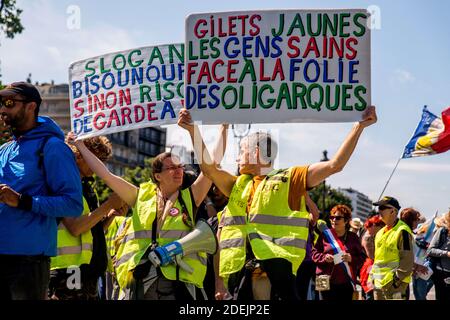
[
  {"x": 126, "y": 90},
  {"x": 278, "y": 66}
]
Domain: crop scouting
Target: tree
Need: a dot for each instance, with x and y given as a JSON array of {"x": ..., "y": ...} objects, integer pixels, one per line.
[
  {"x": 135, "y": 176},
  {"x": 10, "y": 18},
  {"x": 332, "y": 198},
  {"x": 10, "y": 24}
]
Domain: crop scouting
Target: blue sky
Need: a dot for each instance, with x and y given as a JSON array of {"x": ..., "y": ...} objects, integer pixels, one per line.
[{"x": 410, "y": 68}]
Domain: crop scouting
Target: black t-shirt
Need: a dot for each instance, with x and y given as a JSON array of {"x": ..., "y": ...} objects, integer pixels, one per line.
[{"x": 99, "y": 260}]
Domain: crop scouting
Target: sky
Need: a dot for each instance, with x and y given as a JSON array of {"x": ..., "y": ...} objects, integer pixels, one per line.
[{"x": 410, "y": 55}]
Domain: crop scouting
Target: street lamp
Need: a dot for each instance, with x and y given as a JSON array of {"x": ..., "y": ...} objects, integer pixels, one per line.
[
  {"x": 325, "y": 158},
  {"x": 240, "y": 131}
]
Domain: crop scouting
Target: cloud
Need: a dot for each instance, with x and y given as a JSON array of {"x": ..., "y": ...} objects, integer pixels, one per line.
[{"x": 401, "y": 76}]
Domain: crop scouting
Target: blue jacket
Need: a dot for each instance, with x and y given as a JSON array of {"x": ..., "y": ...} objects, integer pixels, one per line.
[{"x": 54, "y": 186}]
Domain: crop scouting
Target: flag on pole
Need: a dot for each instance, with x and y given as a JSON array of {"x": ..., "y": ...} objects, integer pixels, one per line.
[{"x": 432, "y": 135}]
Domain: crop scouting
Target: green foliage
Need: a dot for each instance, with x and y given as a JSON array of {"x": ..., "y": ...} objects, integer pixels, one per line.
[
  {"x": 10, "y": 18},
  {"x": 136, "y": 176},
  {"x": 332, "y": 198},
  {"x": 10, "y": 24}
]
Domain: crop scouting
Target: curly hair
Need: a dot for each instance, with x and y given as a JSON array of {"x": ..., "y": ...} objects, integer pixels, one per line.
[
  {"x": 374, "y": 221},
  {"x": 100, "y": 146},
  {"x": 342, "y": 208}
]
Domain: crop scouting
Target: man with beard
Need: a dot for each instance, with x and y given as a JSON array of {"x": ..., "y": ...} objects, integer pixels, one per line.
[{"x": 39, "y": 181}]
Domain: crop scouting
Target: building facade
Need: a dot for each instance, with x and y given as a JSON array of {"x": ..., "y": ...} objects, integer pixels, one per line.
[
  {"x": 130, "y": 148},
  {"x": 362, "y": 205}
]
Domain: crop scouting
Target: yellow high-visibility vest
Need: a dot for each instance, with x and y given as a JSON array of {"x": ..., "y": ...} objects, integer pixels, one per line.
[
  {"x": 387, "y": 255},
  {"x": 110, "y": 237},
  {"x": 72, "y": 251},
  {"x": 138, "y": 238},
  {"x": 274, "y": 230}
]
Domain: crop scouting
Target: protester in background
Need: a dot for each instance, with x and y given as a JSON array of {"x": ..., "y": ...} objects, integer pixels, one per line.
[
  {"x": 394, "y": 257},
  {"x": 163, "y": 212},
  {"x": 266, "y": 207},
  {"x": 39, "y": 182},
  {"x": 213, "y": 204},
  {"x": 81, "y": 240},
  {"x": 412, "y": 218},
  {"x": 307, "y": 269},
  {"x": 341, "y": 284},
  {"x": 439, "y": 252},
  {"x": 356, "y": 226},
  {"x": 115, "y": 231},
  {"x": 372, "y": 226},
  {"x": 422, "y": 282}
]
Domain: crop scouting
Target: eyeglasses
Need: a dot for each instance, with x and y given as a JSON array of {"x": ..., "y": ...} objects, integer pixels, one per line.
[
  {"x": 381, "y": 208},
  {"x": 173, "y": 168},
  {"x": 336, "y": 218},
  {"x": 10, "y": 103}
]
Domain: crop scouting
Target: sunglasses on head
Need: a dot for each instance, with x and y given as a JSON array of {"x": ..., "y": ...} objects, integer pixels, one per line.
[
  {"x": 336, "y": 218},
  {"x": 10, "y": 103}
]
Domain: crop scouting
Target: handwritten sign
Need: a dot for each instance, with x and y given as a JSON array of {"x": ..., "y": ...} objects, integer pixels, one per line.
[
  {"x": 278, "y": 66},
  {"x": 126, "y": 90}
]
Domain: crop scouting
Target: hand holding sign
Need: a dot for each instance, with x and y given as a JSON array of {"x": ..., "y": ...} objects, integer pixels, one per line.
[
  {"x": 185, "y": 120},
  {"x": 369, "y": 117}
]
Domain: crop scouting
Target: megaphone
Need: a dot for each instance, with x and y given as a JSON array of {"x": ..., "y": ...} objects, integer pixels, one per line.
[{"x": 202, "y": 238}]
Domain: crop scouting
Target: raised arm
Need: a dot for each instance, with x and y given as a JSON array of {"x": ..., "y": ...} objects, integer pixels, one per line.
[
  {"x": 319, "y": 171},
  {"x": 124, "y": 189},
  {"x": 202, "y": 184},
  {"x": 84, "y": 223},
  {"x": 221, "y": 178}
]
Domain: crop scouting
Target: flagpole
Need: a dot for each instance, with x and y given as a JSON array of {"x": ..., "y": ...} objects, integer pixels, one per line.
[{"x": 389, "y": 178}]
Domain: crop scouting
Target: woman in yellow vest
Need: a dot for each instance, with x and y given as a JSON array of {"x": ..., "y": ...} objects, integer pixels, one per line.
[
  {"x": 81, "y": 250},
  {"x": 162, "y": 213},
  {"x": 262, "y": 220}
]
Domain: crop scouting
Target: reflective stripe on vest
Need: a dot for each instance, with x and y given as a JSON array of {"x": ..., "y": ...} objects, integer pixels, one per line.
[
  {"x": 282, "y": 232},
  {"x": 279, "y": 221},
  {"x": 233, "y": 234},
  {"x": 234, "y": 221},
  {"x": 231, "y": 243},
  {"x": 138, "y": 239},
  {"x": 288, "y": 242},
  {"x": 74, "y": 249},
  {"x": 143, "y": 234},
  {"x": 71, "y": 250},
  {"x": 387, "y": 255}
]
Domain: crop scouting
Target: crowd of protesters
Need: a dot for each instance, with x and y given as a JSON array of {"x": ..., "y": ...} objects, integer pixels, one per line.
[{"x": 57, "y": 242}]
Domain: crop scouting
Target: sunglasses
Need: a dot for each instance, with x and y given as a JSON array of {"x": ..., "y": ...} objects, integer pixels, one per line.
[
  {"x": 381, "y": 208},
  {"x": 10, "y": 103},
  {"x": 336, "y": 218}
]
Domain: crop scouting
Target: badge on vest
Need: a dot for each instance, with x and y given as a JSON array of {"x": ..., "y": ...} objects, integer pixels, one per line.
[{"x": 174, "y": 212}]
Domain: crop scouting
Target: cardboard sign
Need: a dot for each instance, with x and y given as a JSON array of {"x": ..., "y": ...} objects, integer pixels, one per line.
[
  {"x": 278, "y": 66},
  {"x": 126, "y": 90}
]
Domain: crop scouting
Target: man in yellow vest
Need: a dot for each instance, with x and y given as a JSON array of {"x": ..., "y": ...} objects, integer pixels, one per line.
[
  {"x": 394, "y": 257},
  {"x": 81, "y": 248},
  {"x": 265, "y": 223}
]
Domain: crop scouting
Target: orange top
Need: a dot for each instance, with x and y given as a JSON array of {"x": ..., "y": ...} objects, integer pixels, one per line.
[{"x": 297, "y": 189}]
